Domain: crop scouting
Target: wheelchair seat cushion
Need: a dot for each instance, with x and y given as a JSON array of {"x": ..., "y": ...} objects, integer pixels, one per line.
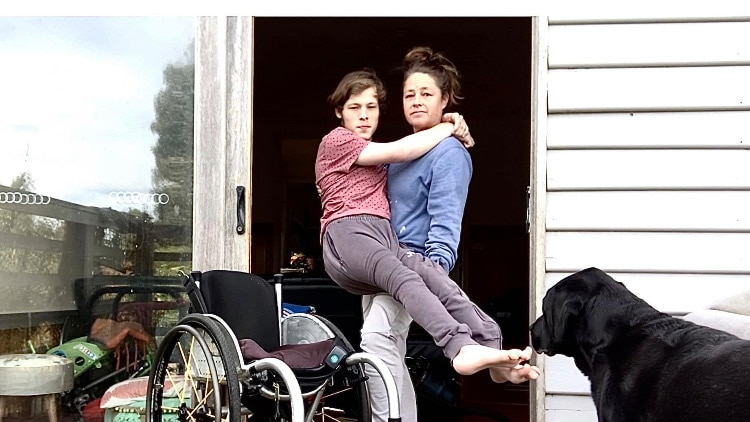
[{"x": 296, "y": 356}]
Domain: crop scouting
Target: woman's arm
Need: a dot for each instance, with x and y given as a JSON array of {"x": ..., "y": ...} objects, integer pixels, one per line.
[
  {"x": 417, "y": 144},
  {"x": 446, "y": 200}
]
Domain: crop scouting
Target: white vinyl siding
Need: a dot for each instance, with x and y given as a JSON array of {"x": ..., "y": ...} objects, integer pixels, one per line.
[
  {"x": 648, "y": 166},
  {"x": 662, "y": 169},
  {"x": 649, "y": 89},
  {"x": 647, "y": 44},
  {"x": 567, "y": 408},
  {"x": 714, "y": 130},
  {"x": 652, "y": 211}
]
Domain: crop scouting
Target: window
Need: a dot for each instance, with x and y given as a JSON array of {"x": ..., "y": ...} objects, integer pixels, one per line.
[{"x": 96, "y": 181}]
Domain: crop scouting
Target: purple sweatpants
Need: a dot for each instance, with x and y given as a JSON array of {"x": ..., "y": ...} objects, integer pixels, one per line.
[{"x": 362, "y": 255}]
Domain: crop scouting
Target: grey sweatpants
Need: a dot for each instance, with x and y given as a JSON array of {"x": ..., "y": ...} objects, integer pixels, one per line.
[{"x": 362, "y": 255}]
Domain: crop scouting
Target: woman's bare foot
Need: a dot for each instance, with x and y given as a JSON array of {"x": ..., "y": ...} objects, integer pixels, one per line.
[
  {"x": 516, "y": 375},
  {"x": 473, "y": 358}
]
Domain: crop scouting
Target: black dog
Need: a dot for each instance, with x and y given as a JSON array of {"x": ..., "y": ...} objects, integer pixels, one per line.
[{"x": 643, "y": 365}]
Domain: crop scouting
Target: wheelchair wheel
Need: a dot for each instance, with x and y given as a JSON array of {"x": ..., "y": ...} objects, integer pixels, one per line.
[
  {"x": 195, "y": 375},
  {"x": 351, "y": 394}
]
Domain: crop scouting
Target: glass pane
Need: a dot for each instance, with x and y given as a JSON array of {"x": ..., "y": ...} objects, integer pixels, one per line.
[{"x": 96, "y": 146}]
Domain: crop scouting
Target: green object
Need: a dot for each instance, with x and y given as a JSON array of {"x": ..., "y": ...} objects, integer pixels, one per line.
[
  {"x": 136, "y": 410},
  {"x": 82, "y": 353}
]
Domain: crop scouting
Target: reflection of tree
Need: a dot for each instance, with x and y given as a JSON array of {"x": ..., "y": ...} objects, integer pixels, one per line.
[
  {"x": 173, "y": 173},
  {"x": 21, "y": 227},
  {"x": 173, "y": 151}
]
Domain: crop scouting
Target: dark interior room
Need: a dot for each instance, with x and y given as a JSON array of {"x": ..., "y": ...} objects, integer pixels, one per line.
[{"x": 297, "y": 63}]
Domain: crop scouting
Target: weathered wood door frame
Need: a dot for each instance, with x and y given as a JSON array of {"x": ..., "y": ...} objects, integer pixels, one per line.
[
  {"x": 223, "y": 143},
  {"x": 538, "y": 195}
]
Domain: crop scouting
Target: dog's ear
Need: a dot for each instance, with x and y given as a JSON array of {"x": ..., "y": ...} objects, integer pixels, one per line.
[{"x": 566, "y": 311}]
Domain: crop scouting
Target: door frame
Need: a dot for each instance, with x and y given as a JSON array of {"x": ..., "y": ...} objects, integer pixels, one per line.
[
  {"x": 538, "y": 197},
  {"x": 223, "y": 156},
  {"x": 223, "y": 143}
]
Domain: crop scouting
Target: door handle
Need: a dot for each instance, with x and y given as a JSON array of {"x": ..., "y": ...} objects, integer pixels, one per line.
[{"x": 240, "y": 210}]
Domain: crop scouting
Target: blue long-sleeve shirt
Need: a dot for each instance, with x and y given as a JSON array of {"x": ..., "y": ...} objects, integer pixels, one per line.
[{"x": 427, "y": 198}]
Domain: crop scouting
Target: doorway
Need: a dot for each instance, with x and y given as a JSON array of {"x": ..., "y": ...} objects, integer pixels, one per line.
[{"x": 297, "y": 63}]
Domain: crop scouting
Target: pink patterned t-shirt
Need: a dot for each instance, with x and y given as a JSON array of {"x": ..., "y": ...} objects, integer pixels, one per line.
[{"x": 348, "y": 188}]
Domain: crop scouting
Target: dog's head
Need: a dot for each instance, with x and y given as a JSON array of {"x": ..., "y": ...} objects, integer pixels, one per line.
[{"x": 579, "y": 314}]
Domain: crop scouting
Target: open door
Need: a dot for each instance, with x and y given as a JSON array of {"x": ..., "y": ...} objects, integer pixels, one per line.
[{"x": 297, "y": 63}]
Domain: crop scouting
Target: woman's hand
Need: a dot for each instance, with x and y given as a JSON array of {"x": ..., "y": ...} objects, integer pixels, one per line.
[{"x": 460, "y": 128}]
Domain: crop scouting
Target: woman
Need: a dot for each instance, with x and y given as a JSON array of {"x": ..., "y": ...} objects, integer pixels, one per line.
[
  {"x": 360, "y": 250},
  {"x": 427, "y": 198}
]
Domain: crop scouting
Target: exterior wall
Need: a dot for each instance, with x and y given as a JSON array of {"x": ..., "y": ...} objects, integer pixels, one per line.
[{"x": 648, "y": 166}]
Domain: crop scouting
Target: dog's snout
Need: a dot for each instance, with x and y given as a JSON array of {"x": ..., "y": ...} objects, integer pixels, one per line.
[{"x": 537, "y": 336}]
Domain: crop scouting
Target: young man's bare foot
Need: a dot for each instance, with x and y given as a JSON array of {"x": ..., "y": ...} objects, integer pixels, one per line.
[
  {"x": 516, "y": 375},
  {"x": 473, "y": 358}
]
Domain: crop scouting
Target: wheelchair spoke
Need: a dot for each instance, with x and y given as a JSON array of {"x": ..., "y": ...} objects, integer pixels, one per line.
[
  {"x": 193, "y": 362},
  {"x": 324, "y": 416},
  {"x": 343, "y": 390}
]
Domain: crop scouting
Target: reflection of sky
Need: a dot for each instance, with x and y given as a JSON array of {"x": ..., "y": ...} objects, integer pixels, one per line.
[{"x": 77, "y": 101}]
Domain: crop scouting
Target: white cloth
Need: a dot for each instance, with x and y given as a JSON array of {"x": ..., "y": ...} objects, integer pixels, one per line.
[
  {"x": 736, "y": 324},
  {"x": 731, "y": 314}
]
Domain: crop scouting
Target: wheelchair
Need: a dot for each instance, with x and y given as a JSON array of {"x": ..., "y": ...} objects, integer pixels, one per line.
[{"x": 236, "y": 358}]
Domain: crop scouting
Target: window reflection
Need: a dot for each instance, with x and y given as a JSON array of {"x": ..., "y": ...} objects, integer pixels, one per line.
[{"x": 96, "y": 182}]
